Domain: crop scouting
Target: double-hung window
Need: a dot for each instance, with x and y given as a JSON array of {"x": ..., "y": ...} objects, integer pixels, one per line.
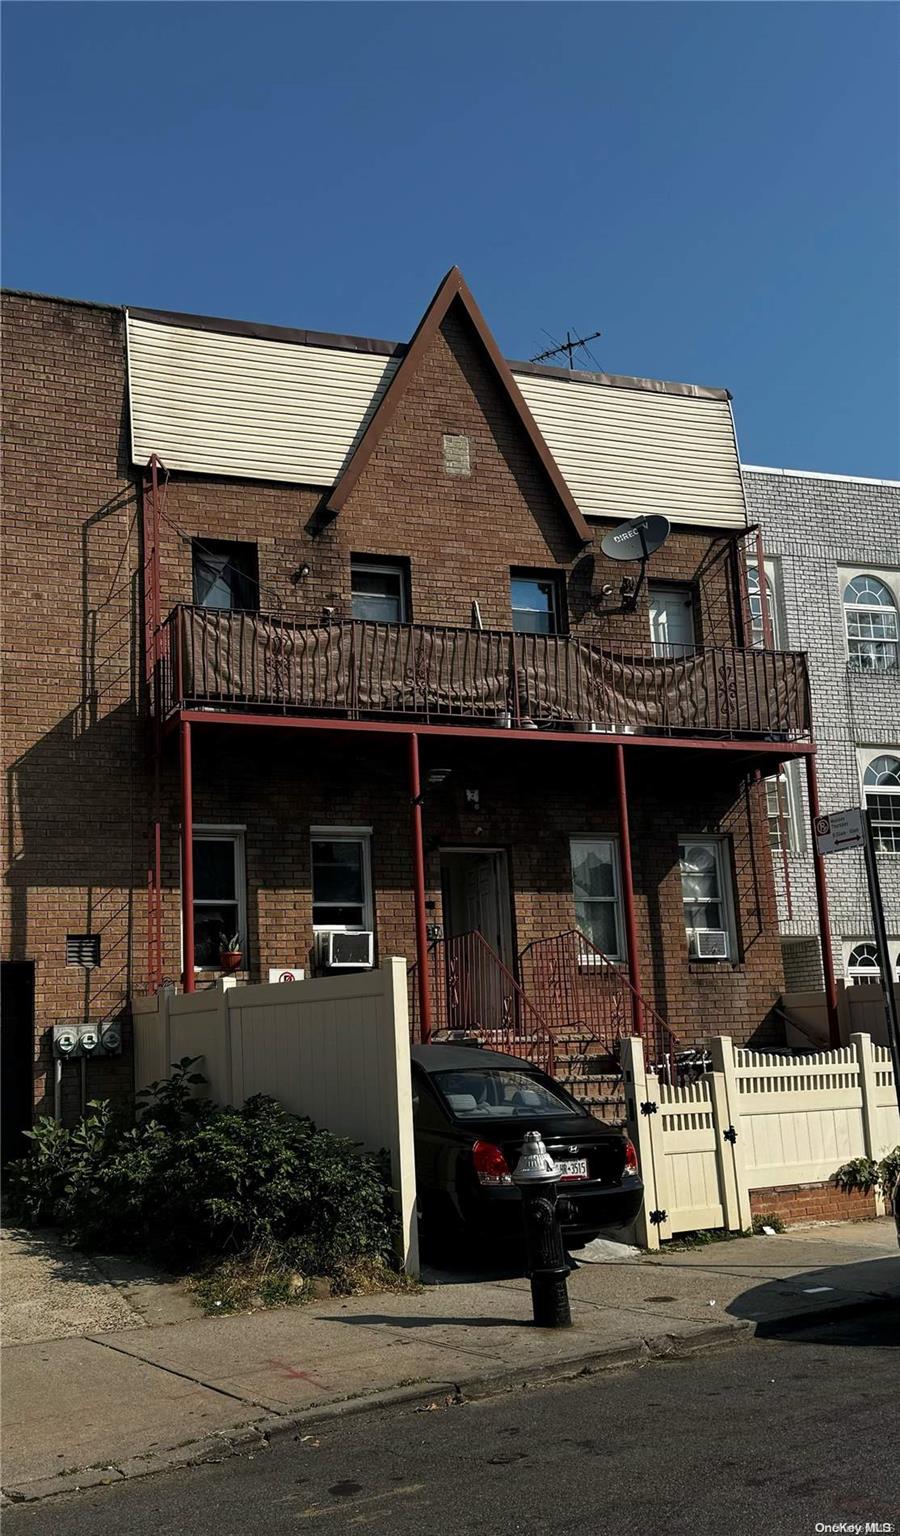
[
  {"x": 781, "y": 810},
  {"x": 597, "y": 891},
  {"x": 537, "y": 604},
  {"x": 342, "y": 878},
  {"x": 881, "y": 788},
  {"x": 379, "y": 590},
  {"x": 706, "y": 897},
  {"x": 870, "y": 617},
  {"x": 220, "y": 894},
  {"x": 226, "y": 574}
]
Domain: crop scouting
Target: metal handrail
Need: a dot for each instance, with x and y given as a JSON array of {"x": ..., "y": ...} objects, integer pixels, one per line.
[{"x": 473, "y": 992}]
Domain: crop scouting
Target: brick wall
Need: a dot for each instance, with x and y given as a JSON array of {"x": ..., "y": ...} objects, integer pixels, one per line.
[
  {"x": 76, "y": 740},
  {"x": 798, "y": 1203},
  {"x": 814, "y": 527}
]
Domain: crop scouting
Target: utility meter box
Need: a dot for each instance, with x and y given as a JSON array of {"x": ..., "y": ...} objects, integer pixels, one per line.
[
  {"x": 65, "y": 1039},
  {"x": 111, "y": 1038}
]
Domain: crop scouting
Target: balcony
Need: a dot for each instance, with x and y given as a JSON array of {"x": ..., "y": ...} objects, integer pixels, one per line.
[{"x": 443, "y": 675}]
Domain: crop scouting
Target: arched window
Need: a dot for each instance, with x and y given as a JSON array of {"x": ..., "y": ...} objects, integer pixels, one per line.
[
  {"x": 881, "y": 787},
  {"x": 757, "y": 629},
  {"x": 870, "y": 615},
  {"x": 862, "y": 964}
]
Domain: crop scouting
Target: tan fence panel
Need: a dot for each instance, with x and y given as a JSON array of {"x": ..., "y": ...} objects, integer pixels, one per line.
[
  {"x": 690, "y": 1186},
  {"x": 801, "y": 1117}
]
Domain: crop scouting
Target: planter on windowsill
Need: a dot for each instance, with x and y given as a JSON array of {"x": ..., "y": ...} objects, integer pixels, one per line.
[{"x": 230, "y": 960}]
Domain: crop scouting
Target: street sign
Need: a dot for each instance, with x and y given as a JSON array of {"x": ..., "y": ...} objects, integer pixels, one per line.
[{"x": 840, "y": 831}]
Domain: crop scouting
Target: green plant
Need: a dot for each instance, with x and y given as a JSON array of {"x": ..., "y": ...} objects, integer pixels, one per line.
[
  {"x": 865, "y": 1174},
  {"x": 192, "y": 1182},
  {"x": 769, "y": 1219},
  {"x": 230, "y": 946}
]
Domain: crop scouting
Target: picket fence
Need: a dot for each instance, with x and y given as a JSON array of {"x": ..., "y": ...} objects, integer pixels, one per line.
[{"x": 756, "y": 1120}]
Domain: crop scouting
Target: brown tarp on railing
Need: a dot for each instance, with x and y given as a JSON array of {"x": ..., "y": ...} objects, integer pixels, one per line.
[{"x": 442, "y": 672}]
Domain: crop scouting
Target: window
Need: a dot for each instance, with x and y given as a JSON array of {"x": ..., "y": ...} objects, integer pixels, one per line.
[
  {"x": 225, "y": 575},
  {"x": 379, "y": 590},
  {"x": 863, "y": 964},
  {"x": 341, "y": 878},
  {"x": 536, "y": 603},
  {"x": 881, "y": 788},
  {"x": 595, "y": 886},
  {"x": 757, "y": 629},
  {"x": 706, "y": 889},
  {"x": 781, "y": 810},
  {"x": 490, "y": 1093},
  {"x": 220, "y": 907},
  {"x": 671, "y": 619},
  {"x": 870, "y": 616}
]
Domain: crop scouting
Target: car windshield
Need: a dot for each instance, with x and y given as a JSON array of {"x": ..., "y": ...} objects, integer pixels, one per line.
[{"x": 499, "y": 1094}]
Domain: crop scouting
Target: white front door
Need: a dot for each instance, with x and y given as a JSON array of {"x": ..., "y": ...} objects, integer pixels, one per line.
[{"x": 671, "y": 620}]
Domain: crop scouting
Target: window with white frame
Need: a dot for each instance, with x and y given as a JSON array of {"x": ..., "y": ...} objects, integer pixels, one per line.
[
  {"x": 870, "y": 617},
  {"x": 863, "y": 962},
  {"x": 881, "y": 788},
  {"x": 781, "y": 810},
  {"x": 220, "y": 894},
  {"x": 379, "y": 589},
  {"x": 755, "y": 598},
  {"x": 342, "y": 878},
  {"x": 597, "y": 890},
  {"x": 537, "y": 603},
  {"x": 706, "y": 892}
]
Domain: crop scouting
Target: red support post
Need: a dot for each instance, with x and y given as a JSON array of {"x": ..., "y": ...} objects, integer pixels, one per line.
[
  {"x": 187, "y": 860},
  {"x": 422, "y": 977},
  {"x": 634, "y": 971},
  {"x": 812, "y": 788},
  {"x": 765, "y": 615}
]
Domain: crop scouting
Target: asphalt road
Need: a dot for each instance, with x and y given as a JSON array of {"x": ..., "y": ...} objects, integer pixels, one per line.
[{"x": 766, "y": 1436}]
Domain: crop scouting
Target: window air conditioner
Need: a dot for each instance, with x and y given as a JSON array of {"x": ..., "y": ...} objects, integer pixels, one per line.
[
  {"x": 345, "y": 951},
  {"x": 709, "y": 944}
]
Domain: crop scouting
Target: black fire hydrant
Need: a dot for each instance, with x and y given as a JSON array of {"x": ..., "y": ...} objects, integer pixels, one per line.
[{"x": 548, "y": 1268}]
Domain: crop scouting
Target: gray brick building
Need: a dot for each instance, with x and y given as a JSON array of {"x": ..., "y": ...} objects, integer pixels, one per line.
[{"x": 832, "y": 556}]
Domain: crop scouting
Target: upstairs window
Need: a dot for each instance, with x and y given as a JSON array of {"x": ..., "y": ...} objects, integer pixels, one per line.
[
  {"x": 379, "y": 590},
  {"x": 536, "y": 603},
  {"x": 755, "y": 596},
  {"x": 863, "y": 964},
  {"x": 881, "y": 787},
  {"x": 781, "y": 810},
  {"x": 870, "y": 616},
  {"x": 226, "y": 575}
]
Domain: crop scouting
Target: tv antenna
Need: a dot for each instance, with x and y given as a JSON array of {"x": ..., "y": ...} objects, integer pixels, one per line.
[
  {"x": 635, "y": 539},
  {"x": 570, "y": 346}
]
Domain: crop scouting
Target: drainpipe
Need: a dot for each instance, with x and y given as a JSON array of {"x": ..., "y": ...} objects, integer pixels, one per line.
[
  {"x": 187, "y": 860},
  {"x": 634, "y": 973},
  {"x": 812, "y": 789},
  {"x": 422, "y": 979}
]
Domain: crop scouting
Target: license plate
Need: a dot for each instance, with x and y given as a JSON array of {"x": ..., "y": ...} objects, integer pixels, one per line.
[{"x": 572, "y": 1168}]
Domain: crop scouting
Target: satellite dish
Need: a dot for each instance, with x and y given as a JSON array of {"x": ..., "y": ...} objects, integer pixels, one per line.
[{"x": 637, "y": 538}]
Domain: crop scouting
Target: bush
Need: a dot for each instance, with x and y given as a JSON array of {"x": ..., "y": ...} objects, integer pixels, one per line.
[
  {"x": 192, "y": 1181},
  {"x": 865, "y": 1175},
  {"x": 766, "y": 1219}
]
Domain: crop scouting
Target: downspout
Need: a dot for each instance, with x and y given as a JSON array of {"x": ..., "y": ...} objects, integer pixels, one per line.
[{"x": 634, "y": 970}]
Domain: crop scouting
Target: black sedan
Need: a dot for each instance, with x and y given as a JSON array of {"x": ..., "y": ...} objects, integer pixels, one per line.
[{"x": 471, "y": 1109}]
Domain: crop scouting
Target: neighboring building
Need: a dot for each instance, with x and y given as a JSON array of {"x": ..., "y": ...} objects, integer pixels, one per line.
[
  {"x": 832, "y": 557},
  {"x": 362, "y": 583}
]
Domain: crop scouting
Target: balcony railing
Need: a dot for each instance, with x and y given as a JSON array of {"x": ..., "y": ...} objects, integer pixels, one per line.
[{"x": 441, "y": 674}]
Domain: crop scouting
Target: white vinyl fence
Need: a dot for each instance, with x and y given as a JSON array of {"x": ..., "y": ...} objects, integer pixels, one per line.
[
  {"x": 756, "y": 1120},
  {"x": 335, "y": 1049}
]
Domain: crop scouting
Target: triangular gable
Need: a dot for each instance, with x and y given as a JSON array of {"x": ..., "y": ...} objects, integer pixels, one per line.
[{"x": 453, "y": 289}]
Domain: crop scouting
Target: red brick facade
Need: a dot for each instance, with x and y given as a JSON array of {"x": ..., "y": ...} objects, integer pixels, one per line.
[
  {"x": 77, "y": 738},
  {"x": 798, "y": 1203}
]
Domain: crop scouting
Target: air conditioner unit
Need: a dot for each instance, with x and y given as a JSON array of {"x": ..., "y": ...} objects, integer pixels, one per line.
[
  {"x": 345, "y": 951},
  {"x": 709, "y": 944}
]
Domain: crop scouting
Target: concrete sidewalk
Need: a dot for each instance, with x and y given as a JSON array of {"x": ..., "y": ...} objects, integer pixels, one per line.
[{"x": 84, "y": 1410}]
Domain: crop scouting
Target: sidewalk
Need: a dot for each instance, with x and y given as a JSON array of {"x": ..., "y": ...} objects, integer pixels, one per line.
[{"x": 106, "y": 1405}]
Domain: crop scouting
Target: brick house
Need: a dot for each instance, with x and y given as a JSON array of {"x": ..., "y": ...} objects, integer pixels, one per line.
[
  {"x": 832, "y": 562},
  {"x": 312, "y": 634}
]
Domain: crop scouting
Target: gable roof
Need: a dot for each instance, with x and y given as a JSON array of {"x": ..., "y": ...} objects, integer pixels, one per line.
[{"x": 453, "y": 290}]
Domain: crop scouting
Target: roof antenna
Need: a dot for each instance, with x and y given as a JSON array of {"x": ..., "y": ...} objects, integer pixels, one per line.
[{"x": 570, "y": 346}]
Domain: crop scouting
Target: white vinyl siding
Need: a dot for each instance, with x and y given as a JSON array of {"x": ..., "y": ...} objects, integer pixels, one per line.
[
  {"x": 235, "y": 405},
  {"x": 215, "y": 403},
  {"x": 627, "y": 452}
]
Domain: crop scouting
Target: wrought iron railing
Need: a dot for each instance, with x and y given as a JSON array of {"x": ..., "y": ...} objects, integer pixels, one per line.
[
  {"x": 472, "y": 992},
  {"x": 591, "y": 1000},
  {"x": 433, "y": 673}
]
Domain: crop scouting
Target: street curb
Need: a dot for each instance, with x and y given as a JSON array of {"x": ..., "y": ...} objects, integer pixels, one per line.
[{"x": 259, "y": 1433}]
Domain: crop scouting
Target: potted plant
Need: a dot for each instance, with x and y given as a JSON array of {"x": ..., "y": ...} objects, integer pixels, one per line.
[{"x": 230, "y": 953}]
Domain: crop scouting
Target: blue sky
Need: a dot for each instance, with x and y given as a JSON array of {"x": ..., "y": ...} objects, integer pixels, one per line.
[{"x": 715, "y": 187}]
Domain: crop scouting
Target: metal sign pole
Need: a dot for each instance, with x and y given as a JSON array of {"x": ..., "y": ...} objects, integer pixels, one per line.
[{"x": 881, "y": 941}]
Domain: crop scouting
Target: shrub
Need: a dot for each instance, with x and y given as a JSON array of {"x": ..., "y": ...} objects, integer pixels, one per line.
[
  {"x": 866, "y": 1175},
  {"x": 766, "y": 1219},
  {"x": 192, "y": 1181}
]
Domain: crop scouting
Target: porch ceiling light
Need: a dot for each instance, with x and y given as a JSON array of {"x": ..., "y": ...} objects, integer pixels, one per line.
[{"x": 438, "y": 775}]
